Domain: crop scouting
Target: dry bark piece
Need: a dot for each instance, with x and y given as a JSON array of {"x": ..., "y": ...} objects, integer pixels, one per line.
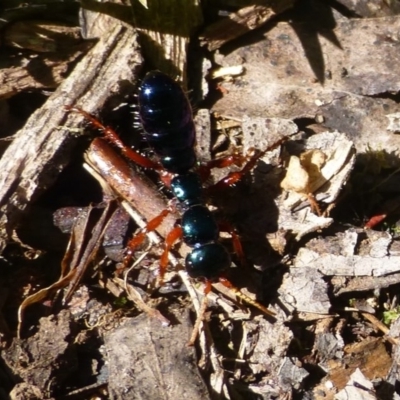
[
  {"x": 14, "y": 10},
  {"x": 242, "y": 22},
  {"x": 357, "y": 260},
  {"x": 41, "y": 36},
  {"x": 269, "y": 344},
  {"x": 304, "y": 290},
  {"x": 47, "y": 358},
  {"x": 58, "y": 47},
  {"x": 279, "y": 62},
  {"x": 279, "y": 81},
  {"x": 329, "y": 264},
  {"x": 394, "y": 370},
  {"x": 261, "y": 133},
  {"x": 370, "y": 356},
  {"x": 41, "y": 149},
  {"x": 265, "y": 346},
  {"x": 355, "y": 265},
  {"x": 357, "y": 388},
  {"x": 363, "y": 283},
  {"x": 203, "y": 134},
  {"x": 155, "y": 363},
  {"x": 328, "y": 342},
  {"x": 165, "y": 41},
  {"x": 114, "y": 172},
  {"x": 302, "y": 223},
  {"x": 372, "y": 8}
]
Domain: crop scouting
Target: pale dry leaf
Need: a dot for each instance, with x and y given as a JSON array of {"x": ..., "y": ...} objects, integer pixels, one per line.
[
  {"x": 313, "y": 160},
  {"x": 330, "y": 161},
  {"x": 303, "y": 171},
  {"x": 296, "y": 178},
  {"x": 358, "y": 388}
]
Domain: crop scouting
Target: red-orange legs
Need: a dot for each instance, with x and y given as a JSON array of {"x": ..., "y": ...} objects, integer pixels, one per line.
[
  {"x": 171, "y": 239},
  {"x": 233, "y": 159},
  {"x": 112, "y": 136},
  {"x": 234, "y": 177},
  {"x": 388, "y": 207},
  {"x": 138, "y": 239},
  {"x": 315, "y": 208},
  {"x": 375, "y": 220},
  {"x": 237, "y": 245},
  {"x": 225, "y": 226}
]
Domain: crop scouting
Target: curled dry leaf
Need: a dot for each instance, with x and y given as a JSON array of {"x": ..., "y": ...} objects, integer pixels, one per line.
[
  {"x": 318, "y": 173},
  {"x": 321, "y": 170},
  {"x": 303, "y": 171}
]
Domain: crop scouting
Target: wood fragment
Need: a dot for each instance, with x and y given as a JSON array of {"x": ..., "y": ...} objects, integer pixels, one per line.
[
  {"x": 174, "y": 374},
  {"x": 47, "y": 357},
  {"x": 242, "y": 22},
  {"x": 132, "y": 186},
  {"x": 330, "y": 79},
  {"x": 165, "y": 40},
  {"x": 58, "y": 47},
  {"x": 42, "y": 148}
]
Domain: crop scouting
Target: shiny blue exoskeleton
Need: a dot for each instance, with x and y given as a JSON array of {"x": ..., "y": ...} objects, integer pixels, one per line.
[{"x": 166, "y": 117}]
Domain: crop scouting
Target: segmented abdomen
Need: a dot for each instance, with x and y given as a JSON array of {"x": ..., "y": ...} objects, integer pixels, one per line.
[{"x": 166, "y": 117}]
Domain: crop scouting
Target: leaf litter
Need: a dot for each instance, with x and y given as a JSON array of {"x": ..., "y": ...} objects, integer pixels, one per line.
[{"x": 321, "y": 262}]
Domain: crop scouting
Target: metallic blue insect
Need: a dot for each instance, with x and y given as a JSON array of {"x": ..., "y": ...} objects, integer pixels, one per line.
[{"x": 166, "y": 116}]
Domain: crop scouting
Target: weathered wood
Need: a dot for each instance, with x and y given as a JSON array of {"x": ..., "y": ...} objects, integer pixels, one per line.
[
  {"x": 149, "y": 362},
  {"x": 242, "y": 22},
  {"x": 42, "y": 148},
  {"x": 293, "y": 74},
  {"x": 164, "y": 28},
  {"x": 57, "y": 47}
]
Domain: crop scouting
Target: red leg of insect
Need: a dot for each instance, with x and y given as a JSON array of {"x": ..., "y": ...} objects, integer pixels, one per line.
[
  {"x": 138, "y": 239},
  {"x": 171, "y": 239},
  {"x": 245, "y": 298},
  {"x": 234, "y": 177},
  {"x": 233, "y": 159},
  {"x": 237, "y": 245},
  {"x": 375, "y": 220},
  {"x": 112, "y": 136},
  {"x": 313, "y": 204}
]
